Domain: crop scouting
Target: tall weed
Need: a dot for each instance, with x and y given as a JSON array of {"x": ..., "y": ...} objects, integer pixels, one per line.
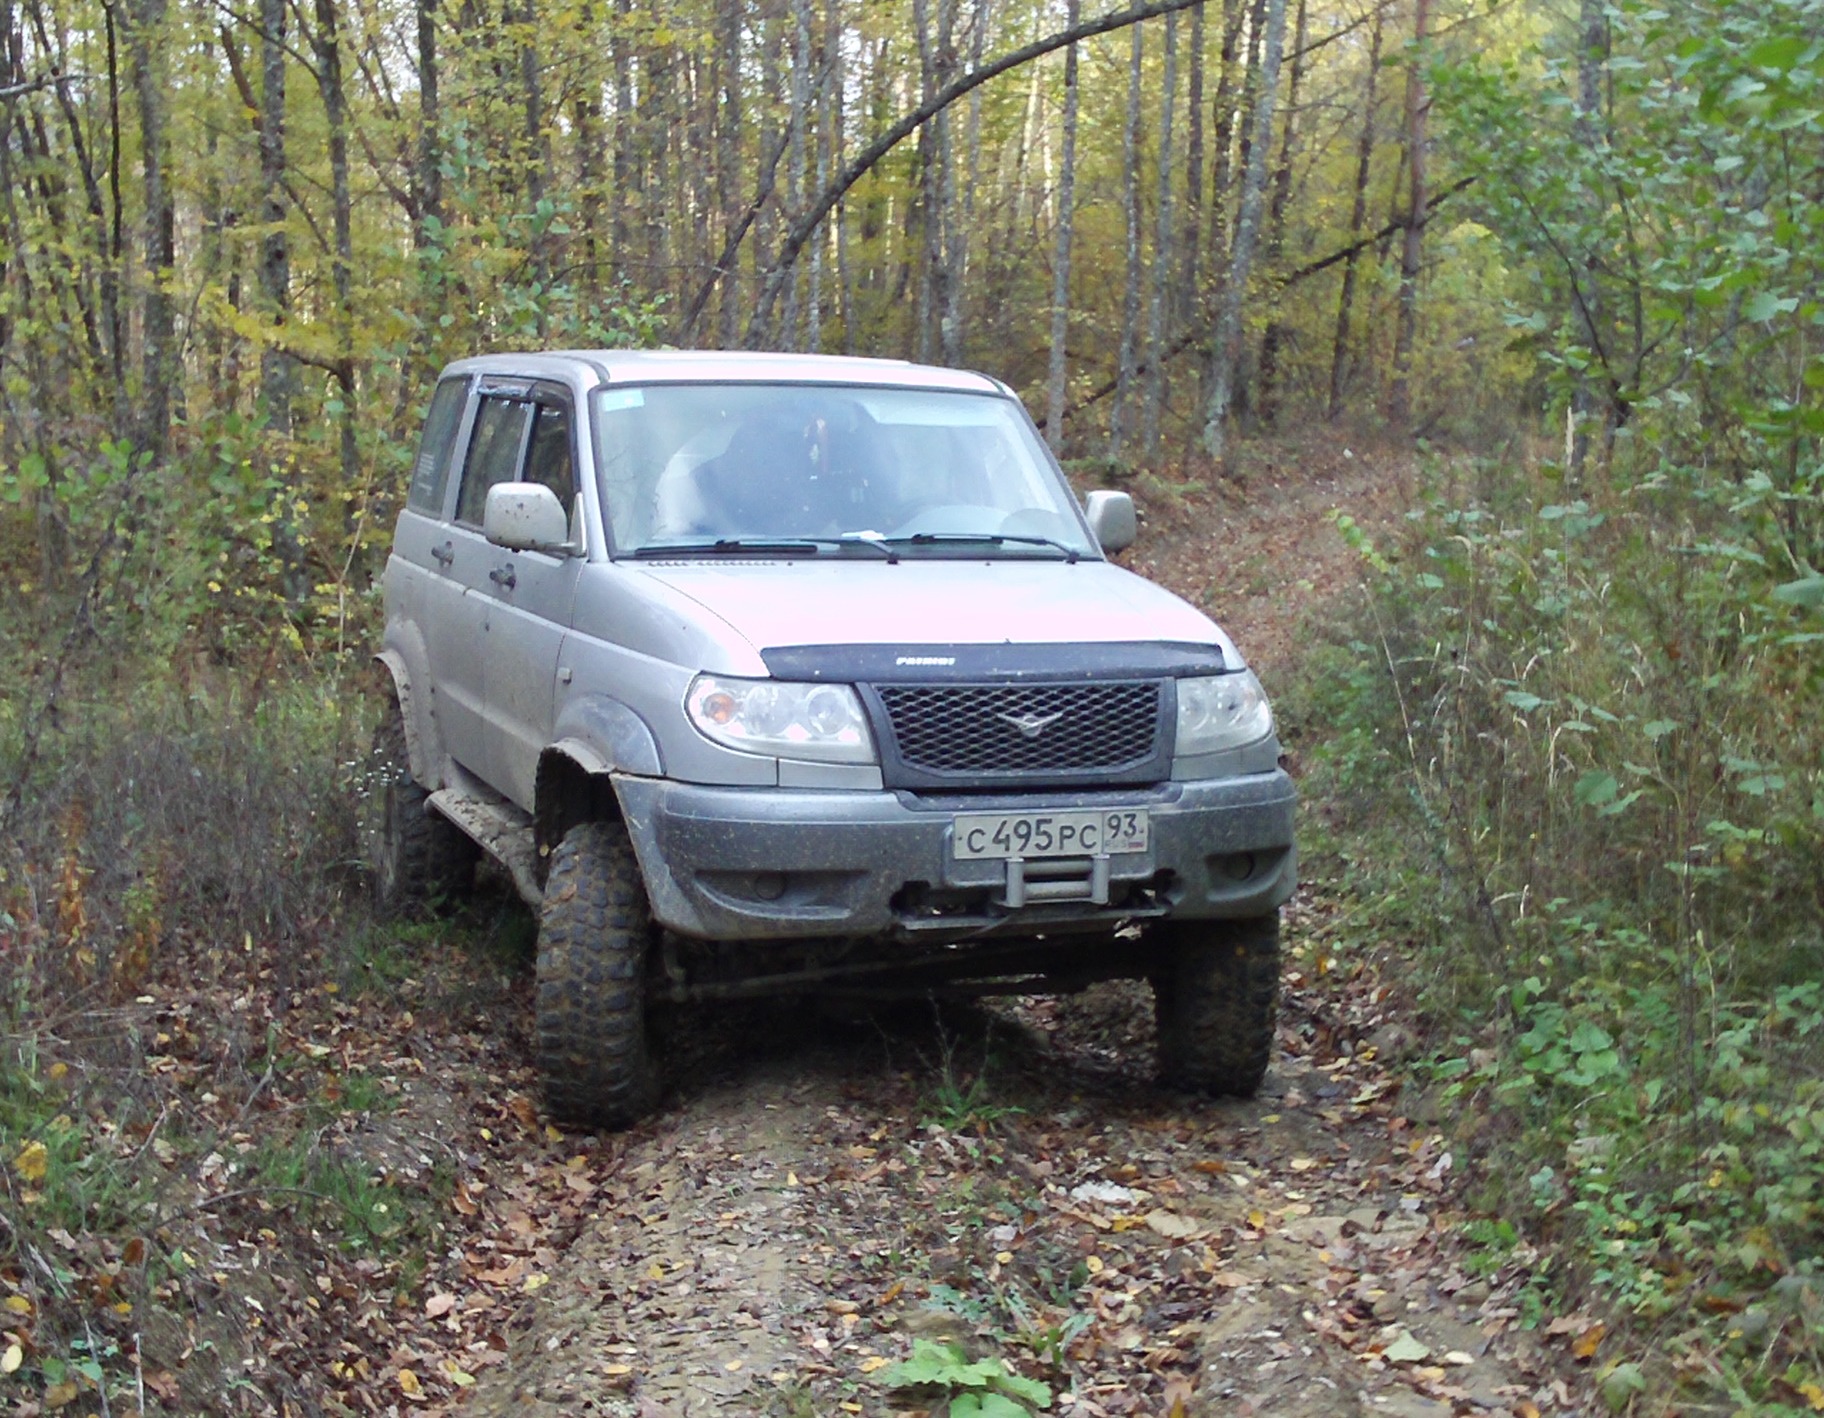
[{"x": 1569, "y": 748}]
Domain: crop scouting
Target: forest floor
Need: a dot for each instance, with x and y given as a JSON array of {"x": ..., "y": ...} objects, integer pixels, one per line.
[{"x": 819, "y": 1192}]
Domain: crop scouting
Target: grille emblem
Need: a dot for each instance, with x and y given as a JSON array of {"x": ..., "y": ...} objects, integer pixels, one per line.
[{"x": 1031, "y": 725}]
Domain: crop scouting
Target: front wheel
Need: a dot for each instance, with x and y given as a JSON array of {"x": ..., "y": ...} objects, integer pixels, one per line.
[
  {"x": 1216, "y": 997},
  {"x": 595, "y": 933}
]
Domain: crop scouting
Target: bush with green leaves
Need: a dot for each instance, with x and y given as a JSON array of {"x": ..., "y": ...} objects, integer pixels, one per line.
[{"x": 978, "y": 1388}]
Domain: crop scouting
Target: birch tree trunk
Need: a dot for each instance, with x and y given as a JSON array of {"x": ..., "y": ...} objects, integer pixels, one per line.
[
  {"x": 1358, "y": 217},
  {"x": 1060, "y": 261},
  {"x": 1222, "y": 149},
  {"x": 1158, "y": 315},
  {"x": 1225, "y": 345},
  {"x": 1130, "y": 201}
]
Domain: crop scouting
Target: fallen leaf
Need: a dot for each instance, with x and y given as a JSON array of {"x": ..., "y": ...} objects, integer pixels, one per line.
[
  {"x": 617, "y": 1371},
  {"x": 1584, "y": 1346},
  {"x": 31, "y": 1160},
  {"x": 19, "y": 1305},
  {"x": 1457, "y": 1356},
  {"x": 1231, "y": 1279},
  {"x": 58, "y": 1395},
  {"x": 1814, "y": 1395},
  {"x": 439, "y": 1305},
  {"x": 873, "y": 1362},
  {"x": 1405, "y": 1350},
  {"x": 11, "y": 1359},
  {"x": 408, "y": 1383},
  {"x": 536, "y": 1281},
  {"x": 1173, "y": 1226},
  {"x": 1303, "y": 1164}
]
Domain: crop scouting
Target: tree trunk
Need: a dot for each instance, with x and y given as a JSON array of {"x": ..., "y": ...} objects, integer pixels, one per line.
[
  {"x": 1157, "y": 316},
  {"x": 1399, "y": 399},
  {"x": 427, "y": 177},
  {"x": 1586, "y": 297},
  {"x": 797, "y": 148},
  {"x": 1060, "y": 261},
  {"x": 728, "y": 158},
  {"x": 1358, "y": 216},
  {"x": 1226, "y": 341},
  {"x": 620, "y": 46},
  {"x": 335, "y": 120},
  {"x": 536, "y": 162},
  {"x": 277, "y": 374},
  {"x": 1192, "y": 242},
  {"x": 1221, "y": 167},
  {"x": 1267, "y": 382},
  {"x": 957, "y": 255},
  {"x": 1130, "y": 201}
]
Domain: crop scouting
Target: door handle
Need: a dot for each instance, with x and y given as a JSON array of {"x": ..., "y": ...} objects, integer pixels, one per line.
[
  {"x": 503, "y": 577},
  {"x": 444, "y": 554}
]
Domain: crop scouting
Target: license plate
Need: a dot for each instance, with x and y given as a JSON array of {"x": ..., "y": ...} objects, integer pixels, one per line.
[{"x": 1087, "y": 833}]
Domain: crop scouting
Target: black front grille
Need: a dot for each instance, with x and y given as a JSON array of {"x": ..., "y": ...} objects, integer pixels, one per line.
[{"x": 986, "y": 732}]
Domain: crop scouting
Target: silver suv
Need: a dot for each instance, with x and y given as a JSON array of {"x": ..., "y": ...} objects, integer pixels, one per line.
[{"x": 780, "y": 674}]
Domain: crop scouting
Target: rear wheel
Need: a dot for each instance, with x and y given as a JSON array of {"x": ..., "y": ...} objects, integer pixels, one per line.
[
  {"x": 595, "y": 935},
  {"x": 420, "y": 858},
  {"x": 1216, "y": 997}
]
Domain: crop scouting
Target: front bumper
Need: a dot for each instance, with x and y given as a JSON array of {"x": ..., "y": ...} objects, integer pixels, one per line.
[{"x": 772, "y": 863}]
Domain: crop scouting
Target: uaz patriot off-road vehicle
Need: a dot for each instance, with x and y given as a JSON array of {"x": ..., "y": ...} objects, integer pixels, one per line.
[{"x": 788, "y": 674}]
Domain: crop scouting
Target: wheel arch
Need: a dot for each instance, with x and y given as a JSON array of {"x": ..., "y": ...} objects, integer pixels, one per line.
[
  {"x": 422, "y": 746},
  {"x": 574, "y": 786}
]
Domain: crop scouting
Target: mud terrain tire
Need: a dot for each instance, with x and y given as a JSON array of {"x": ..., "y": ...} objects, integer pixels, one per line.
[
  {"x": 595, "y": 933},
  {"x": 419, "y": 857},
  {"x": 1215, "y": 998}
]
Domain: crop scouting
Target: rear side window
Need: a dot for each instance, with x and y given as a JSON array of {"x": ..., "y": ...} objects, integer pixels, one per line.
[
  {"x": 431, "y": 473},
  {"x": 494, "y": 453},
  {"x": 548, "y": 459}
]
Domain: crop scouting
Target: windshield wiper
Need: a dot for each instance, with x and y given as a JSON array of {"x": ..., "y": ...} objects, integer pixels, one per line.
[
  {"x": 932, "y": 539},
  {"x": 766, "y": 546}
]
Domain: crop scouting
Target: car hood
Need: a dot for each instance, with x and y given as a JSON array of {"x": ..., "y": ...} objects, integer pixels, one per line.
[{"x": 928, "y": 601}]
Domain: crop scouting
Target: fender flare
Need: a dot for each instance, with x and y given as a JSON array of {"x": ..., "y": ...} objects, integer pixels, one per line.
[
  {"x": 419, "y": 753},
  {"x": 604, "y": 735}
]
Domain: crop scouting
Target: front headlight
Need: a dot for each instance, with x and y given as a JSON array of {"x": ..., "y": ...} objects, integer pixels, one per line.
[
  {"x": 823, "y": 722},
  {"x": 1221, "y": 711}
]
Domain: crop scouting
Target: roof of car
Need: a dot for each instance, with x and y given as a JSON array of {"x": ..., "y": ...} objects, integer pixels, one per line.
[{"x": 726, "y": 366}]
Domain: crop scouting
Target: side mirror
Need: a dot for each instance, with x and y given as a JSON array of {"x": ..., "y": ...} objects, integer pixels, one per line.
[
  {"x": 526, "y": 517},
  {"x": 1111, "y": 518}
]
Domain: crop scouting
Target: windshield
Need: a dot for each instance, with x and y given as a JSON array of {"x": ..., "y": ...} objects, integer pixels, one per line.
[{"x": 710, "y": 468}]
